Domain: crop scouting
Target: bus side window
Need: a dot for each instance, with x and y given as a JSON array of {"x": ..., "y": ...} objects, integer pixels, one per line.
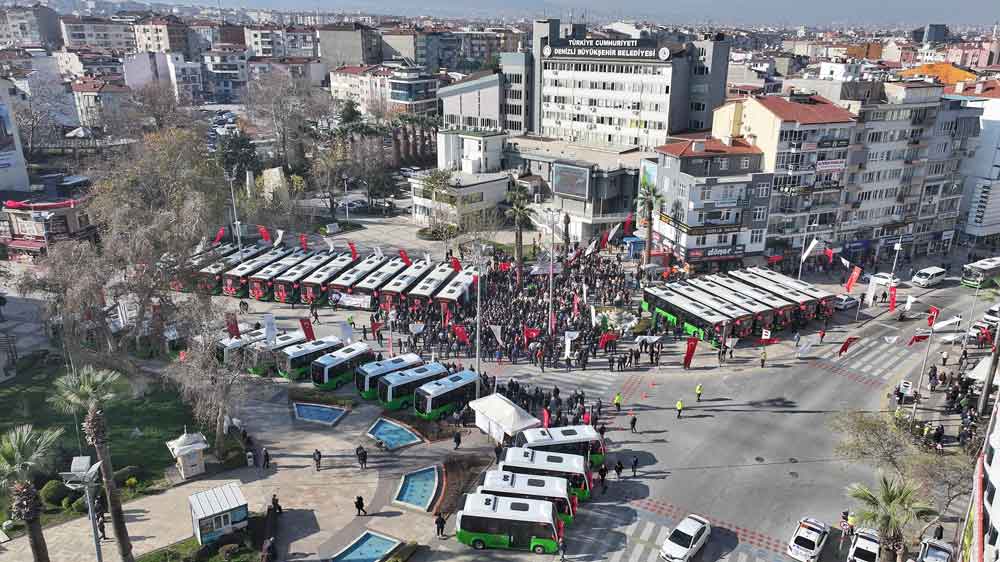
[{"x": 542, "y": 531}]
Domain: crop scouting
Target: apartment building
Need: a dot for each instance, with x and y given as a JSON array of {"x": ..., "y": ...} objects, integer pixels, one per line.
[
  {"x": 312, "y": 70},
  {"x": 162, "y": 34},
  {"x": 367, "y": 85},
  {"x": 96, "y": 98},
  {"x": 277, "y": 41},
  {"x": 413, "y": 91},
  {"x": 225, "y": 73},
  {"x": 980, "y": 211},
  {"x": 84, "y": 62},
  {"x": 30, "y": 26},
  {"x": 349, "y": 44},
  {"x": 97, "y": 33},
  {"x": 478, "y": 45},
  {"x": 474, "y": 102}
]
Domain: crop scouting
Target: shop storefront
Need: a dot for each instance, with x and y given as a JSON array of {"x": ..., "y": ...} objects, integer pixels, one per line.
[{"x": 714, "y": 260}]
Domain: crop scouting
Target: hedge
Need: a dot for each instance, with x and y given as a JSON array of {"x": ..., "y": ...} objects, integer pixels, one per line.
[{"x": 54, "y": 492}]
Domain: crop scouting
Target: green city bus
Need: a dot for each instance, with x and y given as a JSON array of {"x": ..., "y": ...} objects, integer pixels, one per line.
[
  {"x": 366, "y": 377},
  {"x": 541, "y": 463},
  {"x": 229, "y": 351},
  {"x": 395, "y": 390},
  {"x": 294, "y": 361},
  {"x": 334, "y": 369},
  {"x": 436, "y": 399},
  {"x": 982, "y": 274},
  {"x": 261, "y": 355},
  {"x": 581, "y": 440},
  {"x": 548, "y": 488},
  {"x": 487, "y": 521}
]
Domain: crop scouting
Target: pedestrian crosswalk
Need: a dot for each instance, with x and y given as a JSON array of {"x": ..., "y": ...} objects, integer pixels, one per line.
[{"x": 871, "y": 361}]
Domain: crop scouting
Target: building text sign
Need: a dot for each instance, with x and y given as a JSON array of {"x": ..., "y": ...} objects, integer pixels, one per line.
[{"x": 606, "y": 49}]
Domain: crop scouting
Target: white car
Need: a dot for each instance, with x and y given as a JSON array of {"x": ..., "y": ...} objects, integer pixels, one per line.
[
  {"x": 883, "y": 279},
  {"x": 935, "y": 551},
  {"x": 808, "y": 540},
  {"x": 845, "y": 302},
  {"x": 686, "y": 539},
  {"x": 864, "y": 546},
  {"x": 907, "y": 390},
  {"x": 992, "y": 314}
]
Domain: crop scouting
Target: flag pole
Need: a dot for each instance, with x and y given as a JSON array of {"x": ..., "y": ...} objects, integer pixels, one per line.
[{"x": 923, "y": 369}]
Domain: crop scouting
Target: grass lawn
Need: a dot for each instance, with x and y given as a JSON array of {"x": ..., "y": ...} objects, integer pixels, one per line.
[{"x": 187, "y": 548}]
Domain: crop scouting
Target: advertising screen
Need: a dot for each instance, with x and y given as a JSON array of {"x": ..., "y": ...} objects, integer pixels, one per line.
[{"x": 571, "y": 181}]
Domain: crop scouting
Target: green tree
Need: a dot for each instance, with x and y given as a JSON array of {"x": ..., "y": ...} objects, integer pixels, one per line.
[
  {"x": 649, "y": 199},
  {"x": 521, "y": 213},
  {"x": 437, "y": 187},
  {"x": 889, "y": 510},
  {"x": 237, "y": 154},
  {"x": 25, "y": 452},
  {"x": 90, "y": 390},
  {"x": 348, "y": 112}
]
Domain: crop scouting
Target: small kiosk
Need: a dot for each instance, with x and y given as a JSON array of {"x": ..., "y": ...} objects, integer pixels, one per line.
[
  {"x": 217, "y": 512},
  {"x": 189, "y": 453}
]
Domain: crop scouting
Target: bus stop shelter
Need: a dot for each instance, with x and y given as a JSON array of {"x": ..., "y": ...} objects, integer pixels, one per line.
[{"x": 498, "y": 417}]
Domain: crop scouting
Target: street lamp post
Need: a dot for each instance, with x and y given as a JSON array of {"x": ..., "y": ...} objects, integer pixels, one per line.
[
  {"x": 231, "y": 177},
  {"x": 552, "y": 215},
  {"x": 82, "y": 475}
]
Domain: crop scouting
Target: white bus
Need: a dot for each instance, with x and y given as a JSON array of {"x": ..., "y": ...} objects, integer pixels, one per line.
[
  {"x": 563, "y": 465},
  {"x": 262, "y": 282},
  {"x": 548, "y": 488},
  {"x": 782, "y": 309},
  {"x": 581, "y": 440},
  {"x": 228, "y": 351},
  {"x": 184, "y": 276},
  {"x": 287, "y": 286},
  {"x": 436, "y": 399},
  {"x": 982, "y": 273},
  {"x": 423, "y": 293},
  {"x": 456, "y": 292},
  {"x": 395, "y": 290},
  {"x": 366, "y": 376},
  {"x": 762, "y": 313},
  {"x": 349, "y": 278},
  {"x": 236, "y": 281},
  {"x": 209, "y": 278},
  {"x": 487, "y": 521},
  {"x": 331, "y": 370},
  {"x": 824, "y": 298},
  {"x": 395, "y": 390},
  {"x": 314, "y": 288},
  {"x": 294, "y": 361},
  {"x": 377, "y": 279},
  {"x": 261, "y": 355}
]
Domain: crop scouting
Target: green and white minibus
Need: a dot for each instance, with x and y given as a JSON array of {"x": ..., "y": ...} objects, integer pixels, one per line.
[
  {"x": 261, "y": 355},
  {"x": 366, "y": 377},
  {"x": 208, "y": 280},
  {"x": 983, "y": 273},
  {"x": 541, "y": 463},
  {"x": 334, "y": 369},
  {"x": 395, "y": 390},
  {"x": 436, "y": 399},
  {"x": 548, "y": 488},
  {"x": 236, "y": 281},
  {"x": 287, "y": 287},
  {"x": 262, "y": 282},
  {"x": 581, "y": 440},
  {"x": 487, "y": 521},
  {"x": 295, "y": 360},
  {"x": 229, "y": 350},
  {"x": 314, "y": 286}
]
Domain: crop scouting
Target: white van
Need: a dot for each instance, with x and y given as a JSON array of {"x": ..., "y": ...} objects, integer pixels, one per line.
[{"x": 928, "y": 277}]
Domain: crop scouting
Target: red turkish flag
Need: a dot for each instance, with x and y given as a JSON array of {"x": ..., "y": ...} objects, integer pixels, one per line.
[
  {"x": 406, "y": 259},
  {"x": 933, "y": 314},
  {"x": 264, "y": 234},
  {"x": 692, "y": 345},
  {"x": 917, "y": 338},
  {"x": 892, "y": 299},
  {"x": 987, "y": 335},
  {"x": 855, "y": 274},
  {"x": 219, "y": 235},
  {"x": 461, "y": 334},
  {"x": 847, "y": 344},
  {"x": 829, "y": 254},
  {"x": 505, "y": 266},
  {"x": 455, "y": 264},
  {"x": 232, "y": 326},
  {"x": 531, "y": 333},
  {"x": 628, "y": 225},
  {"x": 354, "y": 251},
  {"x": 303, "y": 242},
  {"x": 307, "y": 329}
]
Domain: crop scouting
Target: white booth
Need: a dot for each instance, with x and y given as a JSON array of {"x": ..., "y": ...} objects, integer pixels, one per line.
[
  {"x": 189, "y": 453},
  {"x": 498, "y": 417},
  {"x": 217, "y": 512}
]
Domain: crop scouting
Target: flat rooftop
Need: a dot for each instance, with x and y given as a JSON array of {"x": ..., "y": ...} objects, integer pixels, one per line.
[{"x": 605, "y": 158}]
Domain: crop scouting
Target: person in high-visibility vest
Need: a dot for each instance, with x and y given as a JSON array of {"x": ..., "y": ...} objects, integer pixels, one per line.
[
  {"x": 618, "y": 401},
  {"x": 697, "y": 392},
  {"x": 680, "y": 408}
]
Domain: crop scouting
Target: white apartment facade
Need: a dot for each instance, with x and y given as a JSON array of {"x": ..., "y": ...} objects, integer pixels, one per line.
[
  {"x": 277, "y": 41},
  {"x": 367, "y": 85},
  {"x": 99, "y": 33},
  {"x": 980, "y": 213}
]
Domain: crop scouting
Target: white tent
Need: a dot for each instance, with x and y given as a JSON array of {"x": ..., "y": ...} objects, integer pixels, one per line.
[
  {"x": 497, "y": 416},
  {"x": 979, "y": 372}
]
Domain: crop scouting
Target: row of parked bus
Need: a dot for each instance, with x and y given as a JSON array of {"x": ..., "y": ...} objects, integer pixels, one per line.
[
  {"x": 534, "y": 492},
  {"x": 737, "y": 304},
  {"x": 287, "y": 275}
]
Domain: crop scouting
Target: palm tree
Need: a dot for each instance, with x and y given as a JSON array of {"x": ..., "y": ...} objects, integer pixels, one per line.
[
  {"x": 649, "y": 199},
  {"x": 889, "y": 510},
  {"x": 90, "y": 390},
  {"x": 521, "y": 213},
  {"x": 24, "y": 452}
]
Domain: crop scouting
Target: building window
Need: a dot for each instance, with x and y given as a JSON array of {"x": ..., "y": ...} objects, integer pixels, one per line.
[
  {"x": 763, "y": 190},
  {"x": 757, "y": 236},
  {"x": 744, "y": 163},
  {"x": 759, "y": 213},
  {"x": 723, "y": 163},
  {"x": 701, "y": 240}
]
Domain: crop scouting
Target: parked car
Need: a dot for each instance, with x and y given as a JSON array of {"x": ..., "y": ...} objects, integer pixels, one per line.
[
  {"x": 686, "y": 539},
  {"x": 864, "y": 546},
  {"x": 880, "y": 279},
  {"x": 932, "y": 550},
  {"x": 845, "y": 302},
  {"x": 808, "y": 540}
]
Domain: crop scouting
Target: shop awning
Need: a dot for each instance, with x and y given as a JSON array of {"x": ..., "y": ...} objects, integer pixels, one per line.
[{"x": 27, "y": 245}]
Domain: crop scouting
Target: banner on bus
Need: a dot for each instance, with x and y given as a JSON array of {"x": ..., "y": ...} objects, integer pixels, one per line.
[
  {"x": 232, "y": 326},
  {"x": 307, "y": 329},
  {"x": 353, "y": 301}
]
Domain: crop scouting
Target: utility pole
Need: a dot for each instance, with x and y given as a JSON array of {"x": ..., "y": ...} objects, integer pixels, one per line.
[
  {"x": 479, "y": 282},
  {"x": 972, "y": 314},
  {"x": 551, "y": 214},
  {"x": 231, "y": 176},
  {"x": 923, "y": 369},
  {"x": 898, "y": 247},
  {"x": 984, "y": 398}
]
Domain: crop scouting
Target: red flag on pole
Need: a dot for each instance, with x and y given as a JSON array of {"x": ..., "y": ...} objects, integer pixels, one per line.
[
  {"x": 604, "y": 239},
  {"x": 546, "y": 417},
  {"x": 847, "y": 344},
  {"x": 354, "y": 251},
  {"x": 917, "y": 338},
  {"x": 307, "y": 329},
  {"x": 933, "y": 314},
  {"x": 628, "y": 225},
  {"x": 855, "y": 274},
  {"x": 232, "y": 326},
  {"x": 461, "y": 334},
  {"x": 692, "y": 345},
  {"x": 264, "y": 234},
  {"x": 303, "y": 242},
  {"x": 406, "y": 259},
  {"x": 219, "y": 235},
  {"x": 829, "y": 254},
  {"x": 607, "y": 338},
  {"x": 455, "y": 264},
  {"x": 892, "y": 299},
  {"x": 445, "y": 314},
  {"x": 531, "y": 333},
  {"x": 505, "y": 266}
]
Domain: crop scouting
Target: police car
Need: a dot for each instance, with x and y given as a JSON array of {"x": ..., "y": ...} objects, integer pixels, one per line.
[
  {"x": 864, "y": 546},
  {"x": 808, "y": 540}
]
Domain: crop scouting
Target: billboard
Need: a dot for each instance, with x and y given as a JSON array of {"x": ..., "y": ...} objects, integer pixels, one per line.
[
  {"x": 571, "y": 181},
  {"x": 606, "y": 48},
  {"x": 648, "y": 173}
]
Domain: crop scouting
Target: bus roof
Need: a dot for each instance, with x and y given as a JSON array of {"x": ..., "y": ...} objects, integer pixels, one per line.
[
  {"x": 408, "y": 277},
  {"x": 382, "y": 275},
  {"x": 233, "y": 259},
  {"x": 459, "y": 284},
  {"x": 440, "y": 386},
  {"x": 344, "y": 353},
  {"x": 433, "y": 281},
  {"x": 278, "y": 267},
  {"x": 294, "y": 351},
  {"x": 519, "y": 456},
  {"x": 205, "y": 258},
  {"x": 759, "y": 295},
  {"x": 307, "y": 266},
  {"x": 743, "y": 301},
  {"x": 551, "y": 486},
  {"x": 330, "y": 269},
  {"x": 259, "y": 262},
  {"x": 350, "y": 277},
  {"x": 420, "y": 372},
  {"x": 714, "y": 302},
  {"x": 695, "y": 309},
  {"x": 391, "y": 364},
  {"x": 244, "y": 339},
  {"x": 564, "y": 434},
  {"x": 771, "y": 286},
  {"x": 987, "y": 264},
  {"x": 798, "y": 285},
  {"x": 515, "y": 509},
  {"x": 281, "y": 340}
]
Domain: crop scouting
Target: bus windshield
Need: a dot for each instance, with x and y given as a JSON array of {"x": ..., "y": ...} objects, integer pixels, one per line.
[
  {"x": 422, "y": 402},
  {"x": 318, "y": 373}
]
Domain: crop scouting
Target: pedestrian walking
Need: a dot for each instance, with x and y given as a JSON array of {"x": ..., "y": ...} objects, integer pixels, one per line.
[
  {"x": 439, "y": 525},
  {"x": 797, "y": 337},
  {"x": 266, "y": 456},
  {"x": 101, "y": 521},
  {"x": 602, "y": 429},
  {"x": 697, "y": 392},
  {"x": 275, "y": 506},
  {"x": 944, "y": 358},
  {"x": 497, "y": 451},
  {"x": 822, "y": 334},
  {"x": 763, "y": 358},
  {"x": 635, "y": 465},
  {"x": 562, "y": 548},
  {"x": 619, "y": 467},
  {"x": 632, "y": 423},
  {"x": 618, "y": 402},
  {"x": 680, "y": 408},
  {"x": 458, "y": 439},
  {"x": 603, "y": 473},
  {"x": 317, "y": 458},
  {"x": 359, "y": 504}
]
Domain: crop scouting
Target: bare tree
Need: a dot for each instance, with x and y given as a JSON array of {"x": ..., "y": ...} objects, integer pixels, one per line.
[
  {"x": 38, "y": 116},
  {"x": 159, "y": 103},
  {"x": 873, "y": 439},
  {"x": 943, "y": 480}
]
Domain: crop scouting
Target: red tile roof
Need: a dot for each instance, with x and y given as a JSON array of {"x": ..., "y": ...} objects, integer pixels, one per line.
[
  {"x": 684, "y": 148},
  {"x": 806, "y": 110},
  {"x": 360, "y": 69},
  {"x": 88, "y": 85},
  {"x": 991, "y": 89}
]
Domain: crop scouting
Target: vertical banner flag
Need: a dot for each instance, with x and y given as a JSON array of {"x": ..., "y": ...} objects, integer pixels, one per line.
[
  {"x": 855, "y": 274},
  {"x": 303, "y": 242},
  {"x": 219, "y": 235},
  {"x": 307, "y": 329},
  {"x": 378, "y": 252},
  {"x": 445, "y": 314},
  {"x": 270, "y": 330},
  {"x": 805, "y": 348},
  {"x": 277, "y": 241},
  {"x": 232, "y": 326},
  {"x": 628, "y": 225},
  {"x": 846, "y": 264},
  {"x": 546, "y": 417},
  {"x": 692, "y": 345},
  {"x": 948, "y": 322},
  {"x": 427, "y": 257},
  {"x": 576, "y": 304},
  {"x": 329, "y": 243},
  {"x": 870, "y": 294},
  {"x": 892, "y": 299},
  {"x": 590, "y": 248},
  {"x": 805, "y": 254},
  {"x": 932, "y": 315},
  {"x": 495, "y": 328},
  {"x": 354, "y": 250},
  {"x": 346, "y": 332},
  {"x": 847, "y": 344},
  {"x": 264, "y": 234},
  {"x": 406, "y": 259},
  {"x": 829, "y": 254},
  {"x": 455, "y": 264},
  {"x": 614, "y": 231},
  {"x": 604, "y": 239},
  {"x": 909, "y": 303}
]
